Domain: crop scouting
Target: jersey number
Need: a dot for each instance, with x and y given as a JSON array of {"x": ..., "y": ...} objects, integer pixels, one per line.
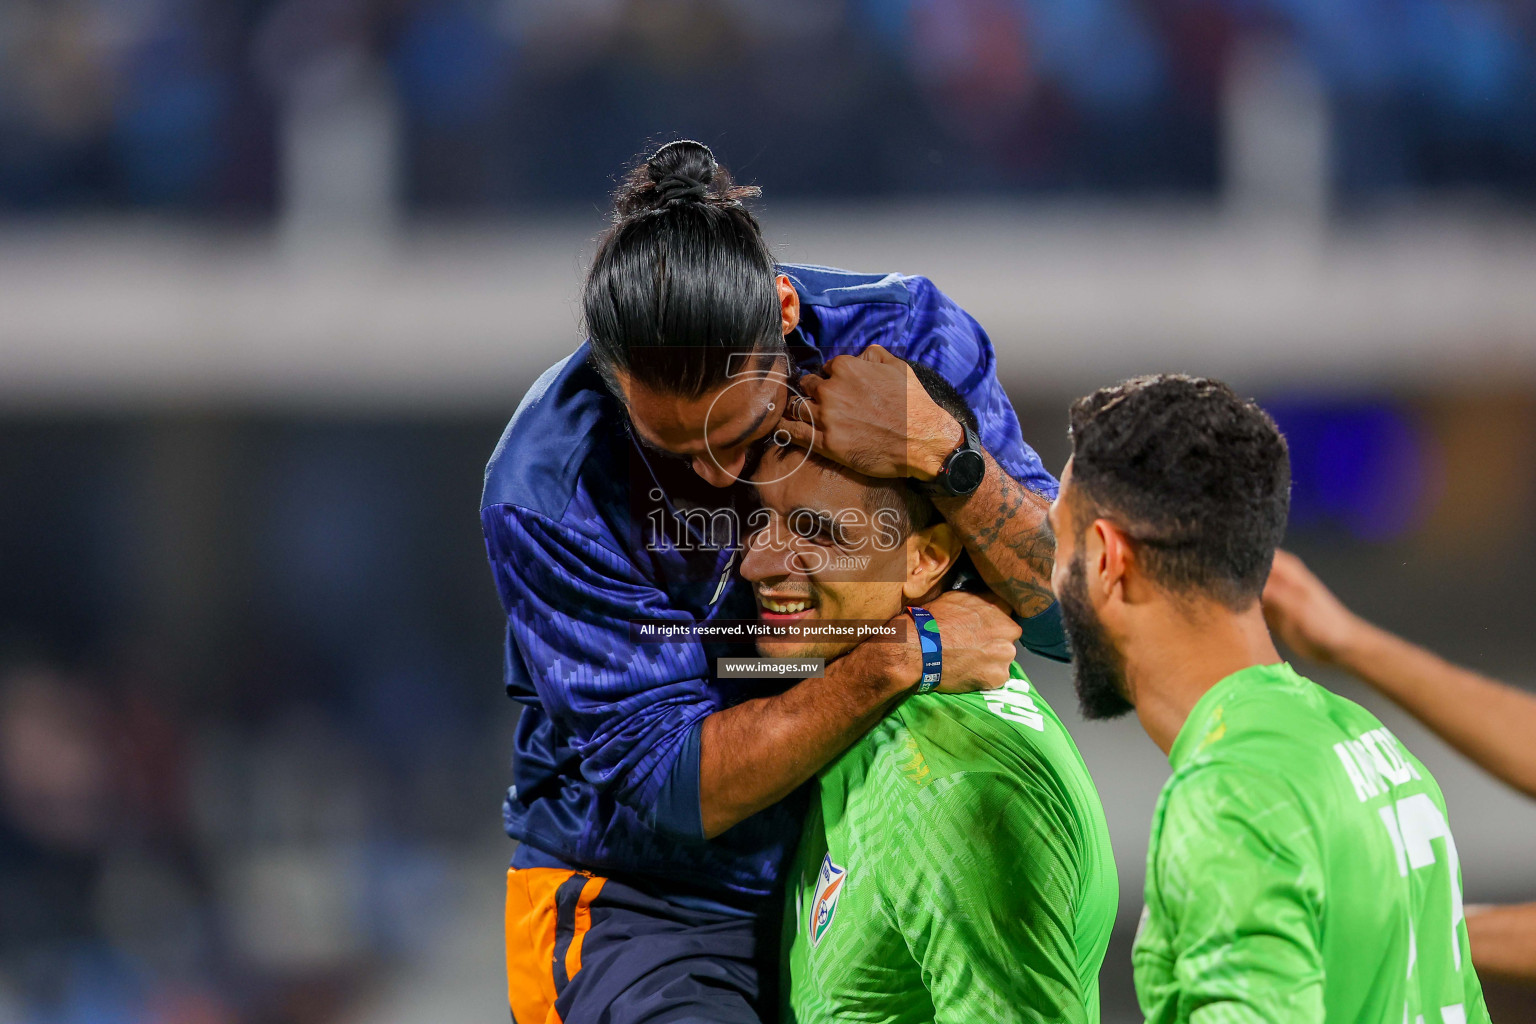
[{"x": 1413, "y": 823}]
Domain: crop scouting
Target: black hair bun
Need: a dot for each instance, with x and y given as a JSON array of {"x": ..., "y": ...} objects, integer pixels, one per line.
[
  {"x": 681, "y": 172},
  {"x": 686, "y": 159}
]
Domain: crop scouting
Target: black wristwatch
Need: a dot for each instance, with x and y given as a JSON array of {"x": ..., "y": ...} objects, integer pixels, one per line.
[{"x": 962, "y": 471}]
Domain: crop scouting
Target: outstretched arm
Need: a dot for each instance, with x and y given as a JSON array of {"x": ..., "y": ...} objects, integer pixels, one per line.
[
  {"x": 755, "y": 754},
  {"x": 1504, "y": 941},
  {"x": 649, "y": 730},
  {"x": 1489, "y": 722}
]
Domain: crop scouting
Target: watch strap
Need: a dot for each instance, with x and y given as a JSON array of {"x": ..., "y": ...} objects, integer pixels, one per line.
[{"x": 969, "y": 443}]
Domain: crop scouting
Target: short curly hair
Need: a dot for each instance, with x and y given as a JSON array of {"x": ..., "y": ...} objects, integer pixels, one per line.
[{"x": 1199, "y": 478}]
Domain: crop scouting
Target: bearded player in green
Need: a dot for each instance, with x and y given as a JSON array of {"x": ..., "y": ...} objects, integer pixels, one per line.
[
  {"x": 1301, "y": 866},
  {"x": 955, "y": 864}
]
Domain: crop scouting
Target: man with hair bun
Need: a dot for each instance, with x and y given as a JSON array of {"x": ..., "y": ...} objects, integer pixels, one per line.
[
  {"x": 1301, "y": 865},
  {"x": 656, "y": 803}
]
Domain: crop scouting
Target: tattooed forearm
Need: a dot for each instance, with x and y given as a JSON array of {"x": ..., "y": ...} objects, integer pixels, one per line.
[{"x": 1004, "y": 527}]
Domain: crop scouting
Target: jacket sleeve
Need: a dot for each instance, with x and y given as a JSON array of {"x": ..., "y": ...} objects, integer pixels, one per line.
[
  {"x": 631, "y": 708},
  {"x": 944, "y": 336}
]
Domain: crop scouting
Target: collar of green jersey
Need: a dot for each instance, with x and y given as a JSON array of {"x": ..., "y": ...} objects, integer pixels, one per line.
[{"x": 1204, "y": 725}]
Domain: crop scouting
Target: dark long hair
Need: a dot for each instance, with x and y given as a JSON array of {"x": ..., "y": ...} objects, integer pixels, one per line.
[{"x": 683, "y": 279}]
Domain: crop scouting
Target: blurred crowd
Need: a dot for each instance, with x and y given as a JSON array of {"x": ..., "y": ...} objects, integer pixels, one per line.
[
  {"x": 250, "y": 720},
  {"x": 508, "y": 104}
]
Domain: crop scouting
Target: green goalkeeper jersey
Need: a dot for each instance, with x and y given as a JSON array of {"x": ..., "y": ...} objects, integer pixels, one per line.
[
  {"x": 955, "y": 867},
  {"x": 1301, "y": 869}
]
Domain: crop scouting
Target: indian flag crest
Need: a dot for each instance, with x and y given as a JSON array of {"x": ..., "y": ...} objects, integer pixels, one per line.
[{"x": 829, "y": 888}]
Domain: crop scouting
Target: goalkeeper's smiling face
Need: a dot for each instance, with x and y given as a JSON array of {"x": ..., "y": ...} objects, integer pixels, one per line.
[{"x": 831, "y": 544}]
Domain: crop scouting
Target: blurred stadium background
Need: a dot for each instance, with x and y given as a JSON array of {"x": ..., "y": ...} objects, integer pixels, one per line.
[{"x": 273, "y": 274}]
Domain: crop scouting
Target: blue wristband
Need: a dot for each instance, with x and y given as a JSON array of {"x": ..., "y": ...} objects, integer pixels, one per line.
[{"x": 932, "y": 647}]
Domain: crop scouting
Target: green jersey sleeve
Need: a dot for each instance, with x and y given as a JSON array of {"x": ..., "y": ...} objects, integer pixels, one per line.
[
  {"x": 986, "y": 902},
  {"x": 1236, "y": 876}
]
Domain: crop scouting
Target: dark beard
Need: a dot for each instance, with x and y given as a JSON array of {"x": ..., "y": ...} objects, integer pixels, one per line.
[{"x": 1098, "y": 671}]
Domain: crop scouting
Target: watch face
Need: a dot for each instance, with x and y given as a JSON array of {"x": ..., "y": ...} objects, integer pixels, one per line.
[{"x": 965, "y": 470}]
